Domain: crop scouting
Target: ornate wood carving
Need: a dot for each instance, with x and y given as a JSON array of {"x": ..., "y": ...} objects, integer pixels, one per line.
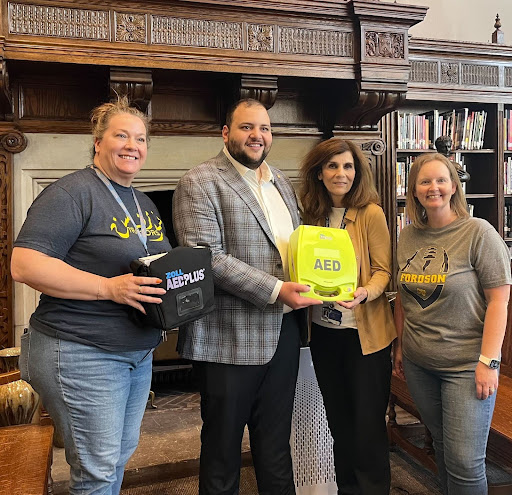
[
  {"x": 45, "y": 20},
  {"x": 508, "y": 77},
  {"x": 316, "y": 42},
  {"x": 370, "y": 107},
  {"x": 459, "y": 71},
  {"x": 376, "y": 147},
  {"x": 449, "y": 73},
  {"x": 6, "y": 299},
  {"x": 384, "y": 45},
  {"x": 498, "y": 36},
  {"x": 261, "y": 88},
  {"x": 131, "y": 27},
  {"x": 260, "y": 37},
  {"x": 137, "y": 85},
  {"x": 481, "y": 75},
  {"x": 424, "y": 71},
  {"x": 166, "y": 30},
  {"x": 11, "y": 142}
]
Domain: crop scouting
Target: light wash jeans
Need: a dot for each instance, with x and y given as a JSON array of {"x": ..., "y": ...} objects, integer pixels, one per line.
[
  {"x": 459, "y": 423},
  {"x": 96, "y": 399}
]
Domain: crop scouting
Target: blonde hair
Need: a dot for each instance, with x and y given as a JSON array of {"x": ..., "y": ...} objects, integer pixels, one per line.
[
  {"x": 316, "y": 200},
  {"x": 102, "y": 114},
  {"x": 415, "y": 210}
]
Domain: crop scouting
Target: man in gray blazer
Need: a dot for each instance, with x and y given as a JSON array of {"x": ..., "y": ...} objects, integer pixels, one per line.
[{"x": 246, "y": 352}]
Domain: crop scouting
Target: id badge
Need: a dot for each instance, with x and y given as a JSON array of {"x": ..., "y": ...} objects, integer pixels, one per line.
[{"x": 331, "y": 315}]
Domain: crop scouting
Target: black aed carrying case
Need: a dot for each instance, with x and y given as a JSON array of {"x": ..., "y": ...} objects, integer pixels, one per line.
[{"x": 186, "y": 275}]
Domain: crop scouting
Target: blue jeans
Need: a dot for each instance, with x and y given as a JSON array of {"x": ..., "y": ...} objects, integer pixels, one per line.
[
  {"x": 96, "y": 398},
  {"x": 459, "y": 423}
]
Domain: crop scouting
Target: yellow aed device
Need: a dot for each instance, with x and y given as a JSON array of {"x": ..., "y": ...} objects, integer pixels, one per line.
[{"x": 324, "y": 259}]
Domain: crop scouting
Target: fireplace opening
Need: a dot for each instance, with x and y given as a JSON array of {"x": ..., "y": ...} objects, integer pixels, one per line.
[{"x": 163, "y": 201}]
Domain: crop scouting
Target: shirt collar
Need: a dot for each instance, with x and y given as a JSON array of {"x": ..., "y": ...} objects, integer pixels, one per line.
[{"x": 262, "y": 174}]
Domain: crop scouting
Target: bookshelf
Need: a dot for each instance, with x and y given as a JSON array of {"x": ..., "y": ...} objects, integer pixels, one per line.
[
  {"x": 471, "y": 127},
  {"x": 507, "y": 174},
  {"x": 451, "y": 82}
]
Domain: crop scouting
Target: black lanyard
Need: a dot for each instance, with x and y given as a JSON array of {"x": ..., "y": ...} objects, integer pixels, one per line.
[
  {"x": 142, "y": 232},
  {"x": 342, "y": 225}
]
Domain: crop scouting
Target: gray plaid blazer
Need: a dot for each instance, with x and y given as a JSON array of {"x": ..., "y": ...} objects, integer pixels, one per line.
[{"x": 213, "y": 205}]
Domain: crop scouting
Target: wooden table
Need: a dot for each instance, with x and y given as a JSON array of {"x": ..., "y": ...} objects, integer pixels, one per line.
[{"x": 25, "y": 457}]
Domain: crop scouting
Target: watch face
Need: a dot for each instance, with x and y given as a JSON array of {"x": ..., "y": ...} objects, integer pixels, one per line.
[{"x": 494, "y": 364}]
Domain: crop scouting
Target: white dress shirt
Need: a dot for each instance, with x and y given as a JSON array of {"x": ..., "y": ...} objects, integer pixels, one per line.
[{"x": 261, "y": 183}]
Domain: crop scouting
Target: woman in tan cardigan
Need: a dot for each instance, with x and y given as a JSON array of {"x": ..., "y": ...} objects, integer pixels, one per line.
[{"x": 351, "y": 341}]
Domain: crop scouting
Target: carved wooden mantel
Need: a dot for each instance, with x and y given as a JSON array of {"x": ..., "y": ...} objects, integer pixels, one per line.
[{"x": 329, "y": 39}]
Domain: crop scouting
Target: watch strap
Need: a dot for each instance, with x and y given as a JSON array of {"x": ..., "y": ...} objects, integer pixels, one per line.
[{"x": 490, "y": 362}]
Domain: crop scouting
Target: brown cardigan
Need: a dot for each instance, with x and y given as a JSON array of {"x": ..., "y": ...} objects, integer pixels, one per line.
[{"x": 370, "y": 236}]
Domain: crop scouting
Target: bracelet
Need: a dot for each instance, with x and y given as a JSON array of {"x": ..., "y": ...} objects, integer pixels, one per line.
[{"x": 99, "y": 287}]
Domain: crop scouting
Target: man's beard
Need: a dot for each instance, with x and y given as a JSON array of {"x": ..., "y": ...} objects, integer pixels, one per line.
[{"x": 241, "y": 156}]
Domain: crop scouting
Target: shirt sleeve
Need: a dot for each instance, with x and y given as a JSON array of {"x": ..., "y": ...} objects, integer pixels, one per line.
[
  {"x": 492, "y": 260},
  {"x": 53, "y": 224}
]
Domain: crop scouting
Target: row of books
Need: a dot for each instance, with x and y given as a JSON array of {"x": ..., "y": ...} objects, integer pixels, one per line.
[
  {"x": 420, "y": 131},
  {"x": 507, "y": 181},
  {"x": 403, "y": 166},
  {"x": 507, "y": 129},
  {"x": 402, "y": 219},
  {"x": 507, "y": 229}
]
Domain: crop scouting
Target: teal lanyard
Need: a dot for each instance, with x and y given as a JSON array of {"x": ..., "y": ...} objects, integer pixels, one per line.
[
  {"x": 142, "y": 232},
  {"x": 342, "y": 225}
]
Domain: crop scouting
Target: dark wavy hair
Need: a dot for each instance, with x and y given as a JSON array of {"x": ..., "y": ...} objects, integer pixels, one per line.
[{"x": 316, "y": 200}]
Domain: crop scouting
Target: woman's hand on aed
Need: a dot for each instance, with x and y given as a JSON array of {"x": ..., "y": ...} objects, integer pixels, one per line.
[
  {"x": 131, "y": 290},
  {"x": 360, "y": 295},
  {"x": 486, "y": 381}
]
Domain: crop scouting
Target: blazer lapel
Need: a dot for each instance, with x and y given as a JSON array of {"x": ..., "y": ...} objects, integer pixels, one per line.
[{"x": 236, "y": 182}]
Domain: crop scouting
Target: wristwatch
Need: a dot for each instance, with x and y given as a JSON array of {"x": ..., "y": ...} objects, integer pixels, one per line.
[{"x": 494, "y": 364}]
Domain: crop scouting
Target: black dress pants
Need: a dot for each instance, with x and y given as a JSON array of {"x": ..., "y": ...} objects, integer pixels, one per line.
[
  {"x": 355, "y": 389},
  {"x": 260, "y": 397}
]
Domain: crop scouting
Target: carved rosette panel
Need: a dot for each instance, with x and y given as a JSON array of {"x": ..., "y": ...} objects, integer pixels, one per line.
[
  {"x": 508, "y": 77},
  {"x": 260, "y": 38},
  {"x": 316, "y": 42},
  {"x": 44, "y": 20},
  {"x": 481, "y": 75},
  {"x": 376, "y": 147},
  {"x": 384, "y": 45},
  {"x": 424, "y": 71},
  {"x": 193, "y": 32},
  {"x": 131, "y": 27},
  {"x": 5, "y": 245},
  {"x": 449, "y": 73},
  {"x": 13, "y": 141}
]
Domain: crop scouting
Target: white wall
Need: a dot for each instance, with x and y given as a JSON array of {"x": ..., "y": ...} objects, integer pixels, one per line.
[{"x": 462, "y": 20}]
